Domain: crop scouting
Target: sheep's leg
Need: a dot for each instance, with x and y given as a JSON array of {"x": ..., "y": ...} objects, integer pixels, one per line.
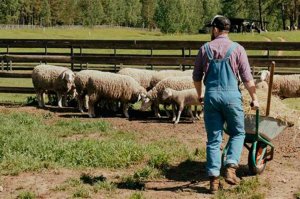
[
  {"x": 196, "y": 112},
  {"x": 166, "y": 110},
  {"x": 59, "y": 98},
  {"x": 125, "y": 109},
  {"x": 39, "y": 97},
  {"x": 86, "y": 102},
  {"x": 91, "y": 110},
  {"x": 174, "y": 113},
  {"x": 179, "y": 113},
  {"x": 80, "y": 103},
  {"x": 64, "y": 100},
  {"x": 191, "y": 113},
  {"x": 156, "y": 110}
]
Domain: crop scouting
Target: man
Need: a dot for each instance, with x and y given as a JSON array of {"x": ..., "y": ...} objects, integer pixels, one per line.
[{"x": 221, "y": 62}]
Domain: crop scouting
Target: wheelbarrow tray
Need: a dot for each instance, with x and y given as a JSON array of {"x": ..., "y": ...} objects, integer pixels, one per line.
[{"x": 268, "y": 127}]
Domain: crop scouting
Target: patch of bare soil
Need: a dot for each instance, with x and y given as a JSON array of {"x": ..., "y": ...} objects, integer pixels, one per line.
[{"x": 281, "y": 179}]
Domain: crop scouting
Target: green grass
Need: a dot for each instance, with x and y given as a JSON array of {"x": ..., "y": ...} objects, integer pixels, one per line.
[
  {"x": 293, "y": 103},
  {"x": 29, "y": 143},
  {"x": 248, "y": 189},
  {"x": 26, "y": 195},
  {"x": 297, "y": 195},
  {"x": 131, "y": 34}
]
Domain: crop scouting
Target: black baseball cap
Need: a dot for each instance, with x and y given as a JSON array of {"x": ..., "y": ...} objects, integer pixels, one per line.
[{"x": 220, "y": 22}]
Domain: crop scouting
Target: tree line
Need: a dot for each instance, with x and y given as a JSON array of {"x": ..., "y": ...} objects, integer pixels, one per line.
[{"x": 170, "y": 16}]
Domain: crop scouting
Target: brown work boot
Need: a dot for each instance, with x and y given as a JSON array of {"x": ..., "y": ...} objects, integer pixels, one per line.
[
  {"x": 214, "y": 184},
  {"x": 230, "y": 175}
]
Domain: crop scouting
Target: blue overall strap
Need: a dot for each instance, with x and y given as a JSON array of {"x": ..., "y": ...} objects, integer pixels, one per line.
[
  {"x": 231, "y": 49},
  {"x": 208, "y": 51}
]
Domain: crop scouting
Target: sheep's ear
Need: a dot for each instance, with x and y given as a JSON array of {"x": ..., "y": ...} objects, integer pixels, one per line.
[
  {"x": 139, "y": 97},
  {"x": 147, "y": 100},
  {"x": 63, "y": 75}
]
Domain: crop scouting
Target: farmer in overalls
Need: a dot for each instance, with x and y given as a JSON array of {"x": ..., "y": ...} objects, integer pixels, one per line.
[{"x": 219, "y": 63}]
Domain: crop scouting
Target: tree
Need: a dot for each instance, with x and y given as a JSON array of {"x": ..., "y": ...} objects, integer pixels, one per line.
[{"x": 148, "y": 11}]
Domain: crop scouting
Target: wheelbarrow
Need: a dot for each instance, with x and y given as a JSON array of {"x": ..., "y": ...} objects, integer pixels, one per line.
[{"x": 260, "y": 131}]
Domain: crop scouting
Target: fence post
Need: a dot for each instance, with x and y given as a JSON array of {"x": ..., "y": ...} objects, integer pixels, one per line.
[
  {"x": 115, "y": 54},
  {"x": 81, "y": 56},
  {"x": 46, "y": 51},
  {"x": 183, "y": 55},
  {"x": 72, "y": 58},
  {"x": 151, "y": 54}
]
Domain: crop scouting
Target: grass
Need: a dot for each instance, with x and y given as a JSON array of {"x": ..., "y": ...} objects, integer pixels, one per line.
[
  {"x": 246, "y": 189},
  {"x": 26, "y": 195},
  {"x": 293, "y": 103},
  {"x": 29, "y": 143}
]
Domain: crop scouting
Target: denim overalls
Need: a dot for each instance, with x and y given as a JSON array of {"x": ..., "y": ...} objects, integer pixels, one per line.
[{"x": 222, "y": 103}]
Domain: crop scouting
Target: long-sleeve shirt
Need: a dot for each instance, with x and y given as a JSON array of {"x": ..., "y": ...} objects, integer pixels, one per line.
[{"x": 219, "y": 46}]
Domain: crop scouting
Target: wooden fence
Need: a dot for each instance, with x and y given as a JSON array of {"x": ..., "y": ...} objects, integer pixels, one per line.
[{"x": 18, "y": 57}]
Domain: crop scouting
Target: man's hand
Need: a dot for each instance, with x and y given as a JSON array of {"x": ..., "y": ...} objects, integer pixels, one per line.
[{"x": 254, "y": 105}]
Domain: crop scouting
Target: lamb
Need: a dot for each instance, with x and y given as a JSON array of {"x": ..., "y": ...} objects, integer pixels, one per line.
[
  {"x": 182, "y": 98},
  {"x": 53, "y": 78},
  {"x": 105, "y": 85},
  {"x": 284, "y": 86},
  {"x": 142, "y": 76},
  {"x": 160, "y": 75},
  {"x": 154, "y": 96}
]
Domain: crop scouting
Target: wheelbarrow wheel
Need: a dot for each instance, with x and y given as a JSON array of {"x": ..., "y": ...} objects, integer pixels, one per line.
[{"x": 258, "y": 164}]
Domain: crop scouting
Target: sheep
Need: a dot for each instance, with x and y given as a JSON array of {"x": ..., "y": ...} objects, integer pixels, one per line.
[
  {"x": 81, "y": 80},
  {"x": 284, "y": 86},
  {"x": 160, "y": 75},
  {"x": 154, "y": 96},
  {"x": 53, "y": 78},
  {"x": 182, "y": 98},
  {"x": 105, "y": 85},
  {"x": 142, "y": 76},
  {"x": 261, "y": 85}
]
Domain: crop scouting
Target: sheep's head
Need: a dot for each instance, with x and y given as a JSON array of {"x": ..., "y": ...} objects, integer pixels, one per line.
[
  {"x": 264, "y": 75},
  {"x": 68, "y": 77},
  {"x": 146, "y": 101},
  {"x": 167, "y": 93},
  {"x": 140, "y": 93}
]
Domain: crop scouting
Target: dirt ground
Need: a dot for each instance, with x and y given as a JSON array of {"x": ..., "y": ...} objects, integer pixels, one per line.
[{"x": 281, "y": 178}]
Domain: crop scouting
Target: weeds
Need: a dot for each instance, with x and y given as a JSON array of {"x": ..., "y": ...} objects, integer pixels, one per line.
[
  {"x": 26, "y": 195},
  {"x": 81, "y": 192},
  {"x": 137, "y": 195},
  {"x": 246, "y": 189}
]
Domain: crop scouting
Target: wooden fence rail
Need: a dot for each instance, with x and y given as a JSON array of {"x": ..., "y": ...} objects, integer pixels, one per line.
[{"x": 19, "y": 56}]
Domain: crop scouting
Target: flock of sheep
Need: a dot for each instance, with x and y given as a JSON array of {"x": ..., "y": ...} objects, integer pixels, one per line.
[{"x": 131, "y": 85}]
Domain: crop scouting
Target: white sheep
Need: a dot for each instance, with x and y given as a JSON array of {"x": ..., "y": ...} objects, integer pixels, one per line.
[
  {"x": 160, "y": 75},
  {"x": 142, "y": 76},
  {"x": 111, "y": 86},
  {"x": 81, "y": 80},
  {"x": 53, "y": 78},
  {"x": 187, "y": 97},
  {"x": 284, "y": 86},
  {"x": 154, "y": 96}
]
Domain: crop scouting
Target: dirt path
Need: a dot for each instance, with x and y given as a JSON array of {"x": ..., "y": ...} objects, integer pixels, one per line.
[
  {"x": 280, "y": 52},
  {"x": 281, "y": 178}
]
